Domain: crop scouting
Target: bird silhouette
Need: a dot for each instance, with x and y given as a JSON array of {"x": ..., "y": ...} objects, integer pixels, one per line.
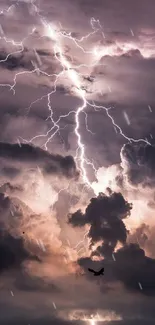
[{"x": 97, "y": 273}]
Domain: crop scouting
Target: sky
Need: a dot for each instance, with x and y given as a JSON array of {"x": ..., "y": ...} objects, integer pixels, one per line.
[{"x": 77, "y": 157}]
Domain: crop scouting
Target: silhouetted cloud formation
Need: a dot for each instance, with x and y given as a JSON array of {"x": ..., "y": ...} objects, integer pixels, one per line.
[
  {"x": 135, "y": 269},
  {"x": 131, "y": 267},
  {"x": 105, "y": 216},
  {"x": 129, "y": 264}
]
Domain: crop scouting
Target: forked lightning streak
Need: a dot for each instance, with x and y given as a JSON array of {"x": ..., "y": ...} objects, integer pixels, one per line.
[{"x": 57, "y": 35}]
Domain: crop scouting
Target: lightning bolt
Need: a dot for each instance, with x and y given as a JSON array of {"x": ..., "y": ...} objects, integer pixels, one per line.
[
  {"x": 2, "y": 12},
  {"x": 92, "y": 322},
  {"x": 57, "y": 35}
]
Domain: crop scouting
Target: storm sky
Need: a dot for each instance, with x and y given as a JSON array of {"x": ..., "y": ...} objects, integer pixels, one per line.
[{"x": 77, "y": 161}]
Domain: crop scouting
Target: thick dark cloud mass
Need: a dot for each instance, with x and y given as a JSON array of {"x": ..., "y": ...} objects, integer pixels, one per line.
[
  {"x": 129, "y": 265},
  {"x": 4, "y": 202},
  {"x": 13, "y": 248},
  {"x": 12, "y": 252},
  {"x": 105, "y": 216},
  {"x": 28, "y": 156},
  {"x": 133, "y": 267},
  {"x": 14, "y": 62},
  {"x": 139, "y": 161},
  {"x": 8, "y": 188}
]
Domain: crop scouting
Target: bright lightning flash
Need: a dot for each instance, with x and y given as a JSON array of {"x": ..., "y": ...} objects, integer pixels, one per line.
[
  {"x": 57, "y": 36},
  {"x": 93, "y": 319},
  {"x": 75, "y": 78},
  {"x": 92, "y": 322}
]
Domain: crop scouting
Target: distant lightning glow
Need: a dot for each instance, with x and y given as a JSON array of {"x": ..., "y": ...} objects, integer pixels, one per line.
[
  {"x": 93, "y": 319},
  {"x": 92, "y": 322}
]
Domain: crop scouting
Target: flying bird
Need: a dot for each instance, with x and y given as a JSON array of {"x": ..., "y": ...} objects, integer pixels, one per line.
[{"x": 101, "y": 272}]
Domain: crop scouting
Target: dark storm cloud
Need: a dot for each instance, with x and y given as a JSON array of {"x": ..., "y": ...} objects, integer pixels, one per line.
[
  {"x": 9, "y": 189},
  {"x": 4, "y": 202},
  {"x": 130, "y": 267},
  {"x": 105, "y": 216},
  {"x": 139, "y": 161},
  {"x": 133, "y": 267},
  {"x": 43, "y": 52},
  {"x": 13, "y": 62},
  {"x": 30, "y": 156},
  {"x": 12, "y": 252},
  {"x": 131, "y": 79},
  {"x": 12, "y": 248}
]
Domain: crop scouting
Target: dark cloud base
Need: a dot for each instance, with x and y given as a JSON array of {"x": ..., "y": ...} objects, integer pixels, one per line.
[{"x": 28, "y": 155}]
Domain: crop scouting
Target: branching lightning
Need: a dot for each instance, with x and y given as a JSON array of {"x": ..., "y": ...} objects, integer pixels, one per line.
[
  {"x": 71, "y": 70},
  {"x": 67, "y": 68}
]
